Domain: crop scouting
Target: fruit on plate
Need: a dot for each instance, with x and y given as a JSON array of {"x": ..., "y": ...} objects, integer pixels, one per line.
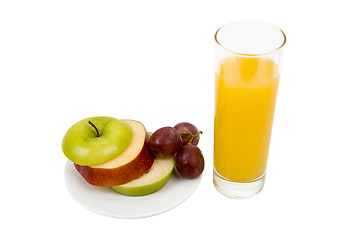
[
  {"x": 93, "y": 141},
  {"x": 130, "y": 164},
  {"x": 189, "y": 161},
  {"x": 165, "y": 142},
  {"x": 150, "y": 182},
  {"x": 186, "y": 131}
]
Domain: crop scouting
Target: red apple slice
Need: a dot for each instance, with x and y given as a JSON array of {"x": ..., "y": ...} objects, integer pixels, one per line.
[{"x": 132, "y": 163}]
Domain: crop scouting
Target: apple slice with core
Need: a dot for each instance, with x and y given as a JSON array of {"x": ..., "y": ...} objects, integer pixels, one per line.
[
  {"x": 95, "y": 140},
  {"x": 150, "y": 182},
  {"x": 130, "y": 164}
]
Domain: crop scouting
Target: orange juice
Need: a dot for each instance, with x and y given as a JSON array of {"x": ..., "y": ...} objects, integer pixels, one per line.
[{"x": 245, "y": 101}]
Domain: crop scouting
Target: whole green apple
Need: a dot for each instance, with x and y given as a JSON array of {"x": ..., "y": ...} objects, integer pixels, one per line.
[{"x": 93, "y": 141}]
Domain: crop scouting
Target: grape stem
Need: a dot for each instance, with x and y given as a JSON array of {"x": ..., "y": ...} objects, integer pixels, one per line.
[
  {"x": 185, "y": 134},
  {"x": 193, "y": 136},
  {"x": 93, "y": 125}
]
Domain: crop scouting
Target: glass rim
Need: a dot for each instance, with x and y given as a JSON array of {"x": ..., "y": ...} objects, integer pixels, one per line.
[{"x": 251, "y": 54}]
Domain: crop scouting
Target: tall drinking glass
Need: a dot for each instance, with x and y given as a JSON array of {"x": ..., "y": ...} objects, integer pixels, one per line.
[{"x": 248, "y": 64}]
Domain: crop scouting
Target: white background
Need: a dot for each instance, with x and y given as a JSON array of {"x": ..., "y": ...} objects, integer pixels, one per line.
[{"x": 152, "y": 61}]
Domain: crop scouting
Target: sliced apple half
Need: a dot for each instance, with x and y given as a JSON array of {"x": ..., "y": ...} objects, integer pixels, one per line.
[
  {"x": 132, "y": 163},
  {"x": 150, "y": 182}
]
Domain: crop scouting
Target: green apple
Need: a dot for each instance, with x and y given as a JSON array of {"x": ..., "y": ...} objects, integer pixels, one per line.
[
  {"x": 130, "y": 164},
  {"x": 96, "y": 140},
  {"x": 150, "y": 182}
]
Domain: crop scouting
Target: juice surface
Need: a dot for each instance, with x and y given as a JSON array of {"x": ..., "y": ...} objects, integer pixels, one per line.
[{"x": 246, "y": 91}]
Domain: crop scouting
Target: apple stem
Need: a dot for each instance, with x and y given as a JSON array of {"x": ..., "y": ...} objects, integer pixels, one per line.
[
  {"x": 194, "y": 136},
  {"x": 93, "y": 125}
]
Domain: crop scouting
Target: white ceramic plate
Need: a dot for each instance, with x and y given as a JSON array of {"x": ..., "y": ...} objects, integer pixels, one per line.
[{"x": 105, "y": 201}]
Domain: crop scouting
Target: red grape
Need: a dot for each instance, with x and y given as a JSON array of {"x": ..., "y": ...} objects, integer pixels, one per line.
[
  {"x": 189, "y": 161},
  {"x": 165, "y": 142},
  {"x": 186, "y": 130}
]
